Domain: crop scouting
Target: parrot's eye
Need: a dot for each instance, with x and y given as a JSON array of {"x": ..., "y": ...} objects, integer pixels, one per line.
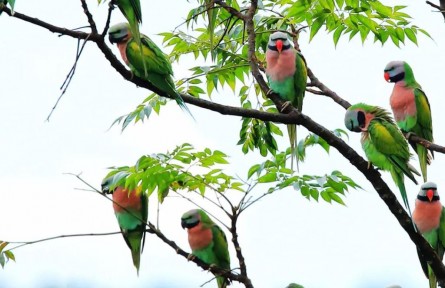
[{"x": 361, "y": 118}]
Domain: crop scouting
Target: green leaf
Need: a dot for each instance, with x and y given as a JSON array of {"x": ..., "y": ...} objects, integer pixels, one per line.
[
  {"x": 269, "y": 177},
  {"x": 2, "y": 260},
  {"x": 316, "y": 25},
  {"x": 9, "y": 255},
  {"x": 3, "y": 245},
  {"x": 411, "y": 35},
  {"x": 337, "y": 33}
]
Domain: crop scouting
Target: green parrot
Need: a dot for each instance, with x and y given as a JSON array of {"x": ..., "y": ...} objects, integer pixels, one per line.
[
  {"x": 429, "y": 217},
  {"x": 207, "y": 241},
  {"x": 411, "y": 108},
  {"x": 3, "y": 3},
  {"x": 131, "y": 210},
  {"x": 287, "y": 75},
  {"x": 383, "y": 143},
  {"x": 159, "y": 69}
]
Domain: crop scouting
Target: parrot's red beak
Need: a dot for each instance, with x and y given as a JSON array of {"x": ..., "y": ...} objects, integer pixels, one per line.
[
  {"x": 279, "y": 44},
  {"x": 430, "y": 194},
  {"x": 386, "y": 75}
]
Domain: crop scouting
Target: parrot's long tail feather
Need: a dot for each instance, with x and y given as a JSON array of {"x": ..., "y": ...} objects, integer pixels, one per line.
[
  {"x": 432, "y": 278},
  {"x": 222, "y": 282},
  {"x": 422, "y": 153},
  {"x": 184, "y": 107},
  {"x": 401, "y": 184},
  {"x": 292, "y": 131}
]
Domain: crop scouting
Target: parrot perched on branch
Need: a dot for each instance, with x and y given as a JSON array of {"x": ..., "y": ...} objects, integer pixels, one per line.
[
  {"x": 3, "y": 3},
  {"x": 429, "y": 217},
  {"x": 287, "y": 75},
  {"x": 411, "y": 109},
  {"x": 207, "y": 241},
  {"x": 131, "y": 210},
  {"x": 383, "y": 143},
  {"x": 159, "y": 69}
]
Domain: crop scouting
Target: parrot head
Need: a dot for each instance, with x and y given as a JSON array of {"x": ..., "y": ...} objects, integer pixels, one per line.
[
  {"x": 395, "y": 71},
  {"x": 191, "y": 219},
  {"x": 355, "y": 119},
  {"x": 119, "y": 33},
  {"x": 105, "y": 185},
  {"x": 428, "y": 191},
  {"x": 278, "y": 42}
]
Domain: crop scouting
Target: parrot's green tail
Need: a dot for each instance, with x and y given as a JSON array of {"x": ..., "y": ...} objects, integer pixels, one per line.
[
  {"x": 432, "y": 278},
  {"x": 181, "y": 104},
  {"x": 292, "y": 131},
  {"x": 134, "y": 240},
  {"x": 222, "y": 282},
  {"x": 398, "y": 178},
  {"x": 424, "y": 160}
]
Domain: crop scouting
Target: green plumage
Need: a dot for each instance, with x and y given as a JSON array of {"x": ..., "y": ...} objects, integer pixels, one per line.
[
  {"x": 418, "y": 121},
  {"x": 132, "y": 11},
  {"x": 383, "y": 143},
  {"x": 146, "y": 61},
  {"x": 5, "y": 2},
  {"x": 216, "y": 251},
  {"x": 291, "y": 88}
]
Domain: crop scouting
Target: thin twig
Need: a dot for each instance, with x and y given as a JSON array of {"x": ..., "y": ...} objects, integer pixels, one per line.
[
  {"x": 23, "y": 243},
  {"x": 107, "y": 23},
  {"x": 69, "y": 76}
]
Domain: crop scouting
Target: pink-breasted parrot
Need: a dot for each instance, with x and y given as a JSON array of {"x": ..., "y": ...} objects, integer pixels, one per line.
[
  {"x": 411, "y": 108},
  {"x": 383, "y": 143},
  {"x": 131, "y": 210},
  {"x": 207, "y": 241},
  {"x": 287, "y": 75},
  {"x": 429, "y": 217},
  {"x": 158, "y": 68}
]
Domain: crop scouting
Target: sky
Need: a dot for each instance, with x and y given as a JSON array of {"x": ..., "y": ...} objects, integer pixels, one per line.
[{"x": 285, "y": 238}]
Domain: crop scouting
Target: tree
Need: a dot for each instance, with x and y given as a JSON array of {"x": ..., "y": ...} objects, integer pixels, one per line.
[{"x": 251, "y": 126}]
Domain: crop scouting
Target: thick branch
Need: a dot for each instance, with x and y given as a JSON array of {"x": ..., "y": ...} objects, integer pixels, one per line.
[
  {"x": 239, "y": 254},
  {"x": 230, "y": 9},
  {"x": 294, "y": 117}
]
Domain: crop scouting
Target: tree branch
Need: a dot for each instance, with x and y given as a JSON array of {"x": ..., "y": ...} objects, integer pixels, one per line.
[
  {"x": 294, "y": 117},
  {"x": 239, "y": 254},
  {"x": 89, "y": 16}
]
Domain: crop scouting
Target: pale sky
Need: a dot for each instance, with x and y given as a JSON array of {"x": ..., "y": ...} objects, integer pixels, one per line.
[{"x": 285, "y": 238}]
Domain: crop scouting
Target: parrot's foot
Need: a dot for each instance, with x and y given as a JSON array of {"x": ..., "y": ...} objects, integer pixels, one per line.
[
  {"x": 409, "y": 134},
  {"x": 191, "y": 257},
  {"x": 285, "y": 106},
  {"x": 212, "y": 266},
  {"x": 269, "y": 92},
  {"x": 369, "y": 165}
]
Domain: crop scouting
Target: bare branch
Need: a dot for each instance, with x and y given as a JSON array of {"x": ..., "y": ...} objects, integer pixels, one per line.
[
  {"x": 24, "y": 243},
  {"x": 107, "y": 23},
  {"x": 230, "y": 9},
  {"x": 433, "y": 5}
]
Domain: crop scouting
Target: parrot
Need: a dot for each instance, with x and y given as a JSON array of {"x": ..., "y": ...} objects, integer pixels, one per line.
[
  {"x": 287, "y": 75},
  {"x": 429, "y": 217},
  {"x": 159, "y": 69},
  {"x": 3, "y": 3},
  {"x": 411, "y": 109},
  {"x": 207, "y": 241},
  {"x": 131, "y": 211},
  {"x": 383, "y": 143}
]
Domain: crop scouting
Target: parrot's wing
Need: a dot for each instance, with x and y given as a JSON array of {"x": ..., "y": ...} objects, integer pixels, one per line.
[
  {"x": 423, "y": 114},
  {"x": 441, "y": 233},
  {"x": 389, "y": 141},
  {"x": 155, "y": 60},
  {"x": 220, "y": 247},
  {"x": 300, "y": 79}
]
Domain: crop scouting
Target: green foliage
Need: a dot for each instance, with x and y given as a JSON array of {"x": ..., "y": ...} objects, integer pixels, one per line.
[
  {"x": 313, "y": 139},
  {"x": 353, "y": 17},
  {"x": 174, "y": 171},
  {"x": 142, "y": 111},
  {"x": 5, "y": 255},
  {"x": 330, "y": 187}
]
